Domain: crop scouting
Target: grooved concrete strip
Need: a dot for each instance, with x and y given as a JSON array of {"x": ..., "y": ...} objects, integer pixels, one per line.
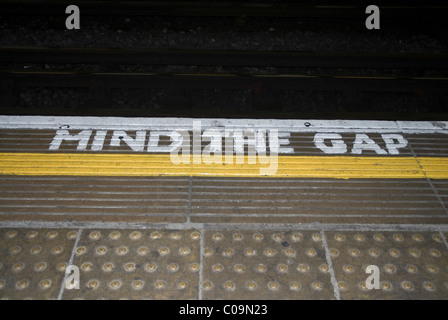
[{"x": 217, "y": 200}]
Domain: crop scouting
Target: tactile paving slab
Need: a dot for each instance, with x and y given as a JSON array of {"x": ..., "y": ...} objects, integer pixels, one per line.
[
  {"x": 265, "y": 265},
  {"x": 412, "y": 265},
  {"x": 137, "y": 264},
  {"x": 33, "y": 262}
]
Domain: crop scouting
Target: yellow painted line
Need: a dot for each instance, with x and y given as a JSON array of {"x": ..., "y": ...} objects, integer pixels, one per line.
[{"x": 341, "y": 167}]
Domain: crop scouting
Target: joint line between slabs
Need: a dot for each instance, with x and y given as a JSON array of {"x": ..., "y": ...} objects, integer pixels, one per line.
[
  {"x": 201, "y": 263},
  {"x": 228, "y": 226},
  {"x": 334, "y": 282},
  {"x": 190, "y": 196},
  {"x": 444, "y": 239},
  {"x": 70, "y": 262}
]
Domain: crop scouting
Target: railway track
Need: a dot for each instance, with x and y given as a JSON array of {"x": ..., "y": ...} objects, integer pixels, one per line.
[
  {"x": 170, "y": 78},
  {"x": 262, "y": 76},
  {"x": 303, "y": 9},
  {"x": 226, "y": 58}
]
